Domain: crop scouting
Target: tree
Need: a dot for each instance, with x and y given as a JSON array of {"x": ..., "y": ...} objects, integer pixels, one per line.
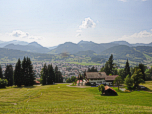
[
  {"x": 137, "y": 77},
  {"x": 44, "y": 75},
  {"x": 1, "y": 73},
  {"x": 31, "y": 73},
  {"x": 51, "y": 75},
  {"x": 57, "y": 77},
  {"x": 18, "y": 77},
  {"x": 3, "y": 83},
  {"x": 118, "y": 81},
  {"x": 148, "y": 74},
  {"x": 9, "y": 75},
  {"x": 129, "y": 81},
  {"x": 127, "y": 70},
  {"x": 143, "y": 69},
  {"x": 68, "y": 80},
  {"x": 102, "y": 69},
  {"x": 28, "y": 72},
  {"x": 73, "y": 78},
  {"x": 109, "y": 66},
  {"x": 92, "y": 69},
  {"x": 121, "y": 73},
  {"x": 106, "y": 68},
  {"x": 24, "y": 71},
  {"x": 101, "y": 88}
]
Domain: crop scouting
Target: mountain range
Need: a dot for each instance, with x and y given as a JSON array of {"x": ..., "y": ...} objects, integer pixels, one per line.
[
  {"x": 121, "y": 50},
  {"x": 67, "y": 47}
]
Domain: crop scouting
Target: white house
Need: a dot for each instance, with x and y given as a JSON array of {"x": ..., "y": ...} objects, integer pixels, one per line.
[{"x": 96, "y": 78}]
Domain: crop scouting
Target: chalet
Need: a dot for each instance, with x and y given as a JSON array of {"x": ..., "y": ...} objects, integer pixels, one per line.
[{"x": 96, "y": 78}]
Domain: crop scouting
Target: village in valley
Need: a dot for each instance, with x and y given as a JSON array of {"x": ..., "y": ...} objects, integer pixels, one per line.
[{"x": 75, "y": 56}]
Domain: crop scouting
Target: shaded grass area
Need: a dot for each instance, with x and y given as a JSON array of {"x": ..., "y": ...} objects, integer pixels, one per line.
[{"x": 62, "y": 99}]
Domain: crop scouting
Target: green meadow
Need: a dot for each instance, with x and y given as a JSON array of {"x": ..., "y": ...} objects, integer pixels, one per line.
[{"x": 61, "y": 99}]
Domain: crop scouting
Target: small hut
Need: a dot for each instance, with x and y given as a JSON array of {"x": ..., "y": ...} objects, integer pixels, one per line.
[{"x": 109, "y": 91}]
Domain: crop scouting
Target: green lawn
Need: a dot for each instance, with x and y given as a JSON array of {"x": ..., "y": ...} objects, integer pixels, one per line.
[{"x": 62, "y": 99}]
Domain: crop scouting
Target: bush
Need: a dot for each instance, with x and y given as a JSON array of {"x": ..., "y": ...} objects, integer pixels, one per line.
[
  {"x": 101, "y": 88},
  {"x": 3, "y": 83},
  {"x": 129, "y": 82}
]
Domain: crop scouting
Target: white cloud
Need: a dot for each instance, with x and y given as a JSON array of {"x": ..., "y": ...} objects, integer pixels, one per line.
[
  {"x": 144, "y": 0},
  {"x": 87, "y": 23},
  {"x": 21, "y": 34},
  {"x": 141, "y": 37},
  {"x": 151, "y": 30}
]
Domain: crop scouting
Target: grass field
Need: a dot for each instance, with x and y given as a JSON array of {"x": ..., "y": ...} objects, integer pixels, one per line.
[{"x": 62, "y": 99}]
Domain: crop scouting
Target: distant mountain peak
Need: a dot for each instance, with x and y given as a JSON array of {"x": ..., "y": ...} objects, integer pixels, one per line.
[
  {"x": 85, "y": 42},
  {"x": 35, "y": 44}
]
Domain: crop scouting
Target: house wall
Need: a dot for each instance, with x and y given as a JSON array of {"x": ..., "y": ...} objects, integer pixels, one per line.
[{"x": 100, "y": 82}]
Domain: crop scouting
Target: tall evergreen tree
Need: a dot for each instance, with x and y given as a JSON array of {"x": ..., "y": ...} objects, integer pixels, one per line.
[
  {"x": 51, "y": 75},
  {"x": 31, "y": 73},
  {"x": 44, "y": 75},
  {"x": 106, "y": 68},
  {"x": 109, "y": 66},
  {"x": 9, "y": 75},
  {"x": 56, "y": 75},
  {"x": 18, "y": 77},
  {"x": 24, "y": 71},
  {"x": 1, "y": 72},
  {"x": 27, "y": 72},
  {"x": 143, "y": 69},
  {"x": 127, "y": 70}
]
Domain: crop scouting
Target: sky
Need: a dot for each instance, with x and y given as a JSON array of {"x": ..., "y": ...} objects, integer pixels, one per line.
[{"x": 53, "y": 22}]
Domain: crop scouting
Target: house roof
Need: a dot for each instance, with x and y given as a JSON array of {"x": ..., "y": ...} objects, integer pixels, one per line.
[
  {"x": 111, "y": 77},
  {"x": 97, "y": 75},
  {"x": 100, "y": 75}
]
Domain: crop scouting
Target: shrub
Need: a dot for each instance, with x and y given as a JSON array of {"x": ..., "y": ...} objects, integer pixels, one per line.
[
  {"x": 3, "y": 83},
  {"x": 129, "y": 82},
  {"x": 101, "y": 88}
]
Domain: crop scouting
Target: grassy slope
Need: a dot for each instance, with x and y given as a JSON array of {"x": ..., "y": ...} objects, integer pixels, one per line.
[{"x": 63, "y": 99}]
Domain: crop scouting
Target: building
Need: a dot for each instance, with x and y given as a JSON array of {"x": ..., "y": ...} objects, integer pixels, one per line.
[{"x": 96, "y": 78}]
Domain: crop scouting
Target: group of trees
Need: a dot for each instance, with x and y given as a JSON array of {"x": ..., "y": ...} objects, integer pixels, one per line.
[
  {"x": 110, "y": 67},
  {"x": 22, "y": 75},
  {"x": 92, "y": 69},
  {"x": 132, "y": 77},
  {"x": 50, "y": 75}
]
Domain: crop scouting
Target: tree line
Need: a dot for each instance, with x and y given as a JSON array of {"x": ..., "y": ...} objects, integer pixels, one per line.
[
  {"x": 50, "y": 75},
  {"x": 22, "y": 75},
  {"x": 25, "y": 75},
  {"x": 130, "y": 76}
]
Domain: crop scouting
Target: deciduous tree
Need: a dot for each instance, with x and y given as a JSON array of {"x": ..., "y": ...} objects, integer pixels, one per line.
[
  {"x": 118, "y": 81},
  {"x": 137, "y": 77}
]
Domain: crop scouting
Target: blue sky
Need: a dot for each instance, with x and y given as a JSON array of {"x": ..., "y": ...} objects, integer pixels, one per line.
[{"x": 52, "y": 22}]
